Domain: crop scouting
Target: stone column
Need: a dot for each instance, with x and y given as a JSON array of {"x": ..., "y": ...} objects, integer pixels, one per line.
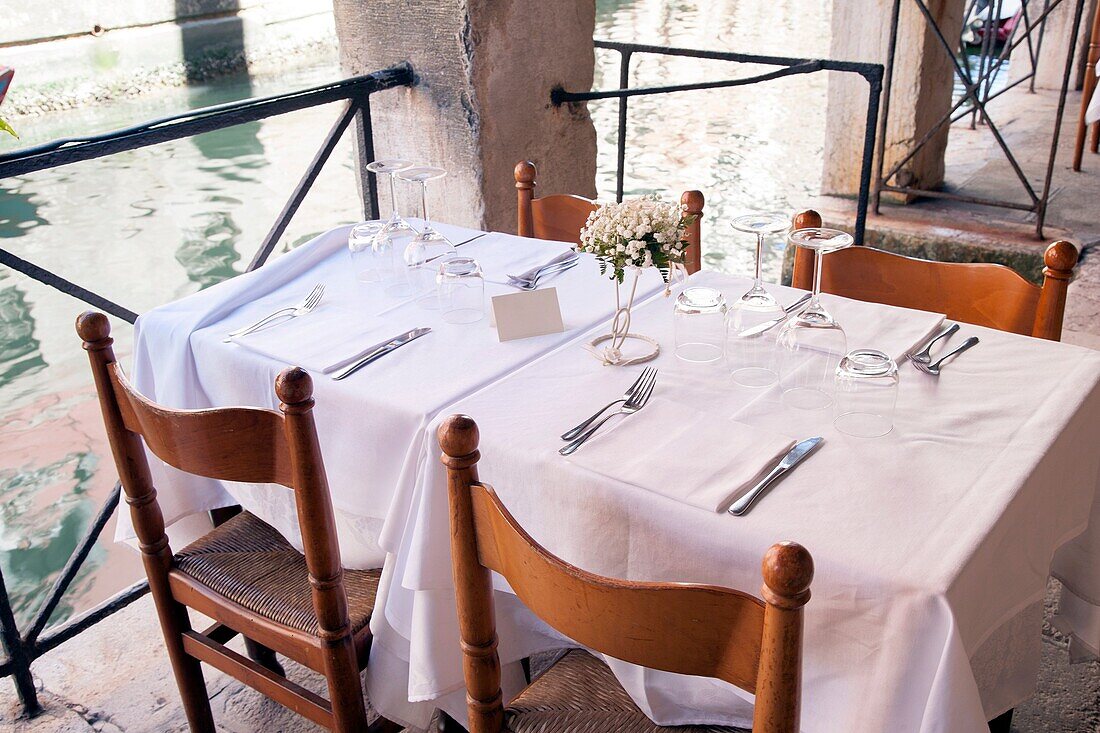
[
  {"x": 922, "y": 84},
  {"x": 1051, "y": 63},
  {"x": 482, "y": 102}
]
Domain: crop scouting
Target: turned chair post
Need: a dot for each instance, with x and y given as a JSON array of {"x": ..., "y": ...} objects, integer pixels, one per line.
[
  {"x": 803, "y": 276},
  {"x": 129, "y": 453},
  {"x": 294, "y": 388},
  {"x": 458, "y": 437},
  {"x": 525, "y": 193},
  {"x": 1059, "y": 259},
  {"x": 788, "y": 569},
  {"x": 691, "y": 203}
]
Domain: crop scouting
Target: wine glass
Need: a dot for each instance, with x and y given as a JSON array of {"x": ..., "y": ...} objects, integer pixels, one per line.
[
  {"x": 812, "y": 343},
  {"x": 760, "y": 224},
  {"x": 422, "y": 174},
  {"x": 388, "y": 167},
  {"x": 749, "y": 351}
]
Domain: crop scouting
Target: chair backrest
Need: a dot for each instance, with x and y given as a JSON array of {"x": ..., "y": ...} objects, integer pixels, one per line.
[
  {"x": 560, "y": 217},
  {"x": 676, "y": 627},
  {"x": 981, "y": 293},
  {"x": 230, "y": 444}
]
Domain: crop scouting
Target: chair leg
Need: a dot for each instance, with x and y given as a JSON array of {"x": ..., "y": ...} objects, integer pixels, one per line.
[
  {"x": 382, "y": 725},
  {"x": 187, "y": 670},
  {"x": 447, "y": 724},
  {"x": 263, "y": 656},
  {"x": 345, "y": 692},
  {"x": 1002, "y": 723}
]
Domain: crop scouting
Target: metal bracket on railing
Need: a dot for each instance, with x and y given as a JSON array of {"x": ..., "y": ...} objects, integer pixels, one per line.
[{"x": 872, "y": 73}]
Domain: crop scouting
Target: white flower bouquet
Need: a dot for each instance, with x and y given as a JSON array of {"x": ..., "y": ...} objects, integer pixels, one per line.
[{"x": 639, "y": 232}]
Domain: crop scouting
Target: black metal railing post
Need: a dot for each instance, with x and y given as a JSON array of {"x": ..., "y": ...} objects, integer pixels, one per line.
[
  {"x": 18, "y": 662},
  {"x": 871, "y": 73}
]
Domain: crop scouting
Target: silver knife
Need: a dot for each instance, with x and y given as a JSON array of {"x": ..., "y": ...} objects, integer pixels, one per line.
[
  {"x": 766, "y": 325},
  {"x": 394, "y": 343},
  {"x": 795, "y": 456}
]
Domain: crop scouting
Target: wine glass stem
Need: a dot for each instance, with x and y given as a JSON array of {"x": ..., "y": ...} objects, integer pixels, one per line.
[
  {"x": 759, "y": 251},
  {"x": 814, "y": 301},
  {"x": 424, "y": 205},
  {"x": 393, "y": 200}
]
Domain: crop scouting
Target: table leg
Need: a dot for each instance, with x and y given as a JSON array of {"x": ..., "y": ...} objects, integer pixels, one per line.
[
  {"x": 1002, "y": 723},
  {"x": 446, "y": 724}
]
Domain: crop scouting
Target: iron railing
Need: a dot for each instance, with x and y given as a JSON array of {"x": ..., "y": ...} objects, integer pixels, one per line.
[
  {"x": 22, "y": 649},
  {"x": 977, "y": 93},
  {"x": 871, "y": 73}
]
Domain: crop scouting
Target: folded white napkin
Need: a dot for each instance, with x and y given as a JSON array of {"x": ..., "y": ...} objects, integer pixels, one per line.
[
  {"x": 694, "y": 457},
  {"x": 321, "y": 341},
  {"x": 891, "y": 330}
]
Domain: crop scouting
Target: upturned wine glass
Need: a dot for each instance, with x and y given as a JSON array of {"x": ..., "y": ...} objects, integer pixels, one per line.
[
  {"x": 812, "y": 343},
  {"x": 750, "y": 353},
  {"x": 422, "y": 174},
  {"x": 389, "y": 167}
]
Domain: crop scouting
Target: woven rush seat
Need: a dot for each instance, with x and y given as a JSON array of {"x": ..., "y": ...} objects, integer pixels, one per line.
[
  {"x": 250, "y": 563},
  {"x": 580, "y": 694}
]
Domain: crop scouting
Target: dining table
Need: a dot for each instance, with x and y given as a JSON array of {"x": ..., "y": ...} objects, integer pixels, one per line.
[{"x": 933, "y": 544}]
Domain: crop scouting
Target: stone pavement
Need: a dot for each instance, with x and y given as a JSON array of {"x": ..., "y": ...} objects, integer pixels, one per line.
[
  {"x": 962, "y": 232},
  {"x": 116, "y": 678}
]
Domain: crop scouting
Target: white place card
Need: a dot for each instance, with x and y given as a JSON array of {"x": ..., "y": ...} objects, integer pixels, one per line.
[{"x": 526, "y": 314}]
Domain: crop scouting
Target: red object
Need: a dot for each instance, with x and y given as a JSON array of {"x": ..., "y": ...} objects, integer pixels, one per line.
[{"x": 6, "y": 73}]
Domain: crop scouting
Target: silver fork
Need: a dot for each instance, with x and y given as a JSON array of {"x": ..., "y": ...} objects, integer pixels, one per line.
[
  {"x": 293, "y": 311},
  {"x": 535, "y": 272},
  {"x": 934, "y": 369},
  {"x": 534, "y": 282},
  {"x": 924, "y": 356},
  {"x": 574, "y": 432},
  {"x": 636, "y": 402}
]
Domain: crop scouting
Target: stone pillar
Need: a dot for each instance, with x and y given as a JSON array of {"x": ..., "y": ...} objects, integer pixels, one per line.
[
  {"x": 1051, "y": 64},
  {"x": 482, "y": 102},
  {"x": 923, "y": 79}
]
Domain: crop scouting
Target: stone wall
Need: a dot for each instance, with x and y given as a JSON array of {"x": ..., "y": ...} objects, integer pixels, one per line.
[{"x": 482, "y": 102}]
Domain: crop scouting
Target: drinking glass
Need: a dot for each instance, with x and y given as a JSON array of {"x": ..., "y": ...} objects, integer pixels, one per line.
[
  {"x": 699, "y": 324},
  {"x": 388, "y": 167},
  {"x": 422, "y": 260},
  {"x": 461, "y": 290},
  {"x": 866, "y": 392},
  {"x": 422, "y": 174},
  {"x": 812, "y": 343},
  {"x": 369, "y": 266}
]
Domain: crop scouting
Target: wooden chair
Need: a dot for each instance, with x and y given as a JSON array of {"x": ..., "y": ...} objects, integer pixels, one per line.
[
  {"x": 677, "y": 627},
  {"x": 243, "y": 574},
  {"x": 980, "y": 293},
  {"x": 560, "y": 217}
]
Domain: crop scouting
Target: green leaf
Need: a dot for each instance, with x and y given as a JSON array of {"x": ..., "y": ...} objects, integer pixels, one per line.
[{"x": 5, "y": 127}]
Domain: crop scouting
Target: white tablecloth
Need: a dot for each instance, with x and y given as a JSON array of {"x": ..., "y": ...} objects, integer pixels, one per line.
[
  {"x": 372, "y": 425},
  {"x": 1092, "y": 112},
  {"x": 928, "y": 542}
]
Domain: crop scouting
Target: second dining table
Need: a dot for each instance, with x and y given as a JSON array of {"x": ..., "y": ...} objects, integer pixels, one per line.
[{"x": 933, "y": 544}]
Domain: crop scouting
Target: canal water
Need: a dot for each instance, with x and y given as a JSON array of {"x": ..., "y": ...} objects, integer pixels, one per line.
[{"x": 153, "y": 225}]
